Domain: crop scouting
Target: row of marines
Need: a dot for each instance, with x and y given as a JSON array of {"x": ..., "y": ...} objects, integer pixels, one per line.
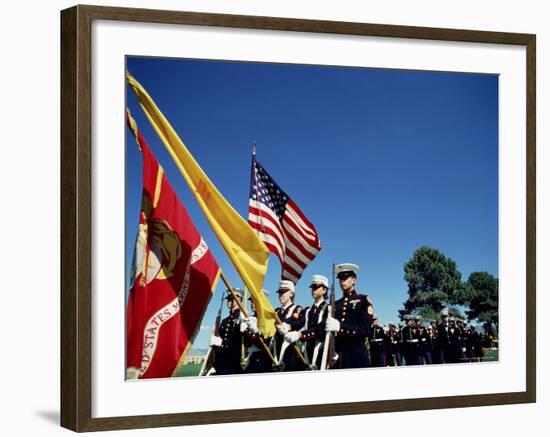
[
  {"x": 301, "y": 339},
  {"x": 449, "y": 341}
]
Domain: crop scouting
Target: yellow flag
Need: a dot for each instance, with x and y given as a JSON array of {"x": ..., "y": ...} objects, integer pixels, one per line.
[{"x": 247, "y": 252}]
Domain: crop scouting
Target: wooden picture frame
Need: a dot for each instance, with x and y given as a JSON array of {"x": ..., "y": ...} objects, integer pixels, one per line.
[{"x": 76, "y": 217}]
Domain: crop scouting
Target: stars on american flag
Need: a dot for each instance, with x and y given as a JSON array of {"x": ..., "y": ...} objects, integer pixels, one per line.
[{"x": 266, "y": 191}]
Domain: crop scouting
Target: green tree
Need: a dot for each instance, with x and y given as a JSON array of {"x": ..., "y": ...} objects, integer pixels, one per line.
[
  {"x": 481, "y": 294},
  {"x": 434, "y": 283}
]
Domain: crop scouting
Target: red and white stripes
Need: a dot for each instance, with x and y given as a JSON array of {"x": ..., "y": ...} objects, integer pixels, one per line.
[{"x": 293, "y": 239}]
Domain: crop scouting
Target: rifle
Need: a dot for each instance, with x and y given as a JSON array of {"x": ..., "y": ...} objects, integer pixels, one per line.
[
  {"x": 327, "y": 360},
  {"x": 245, "y": 314},
  {"x": 211, "y": 355},
  {"x": 245, "y": 357}
]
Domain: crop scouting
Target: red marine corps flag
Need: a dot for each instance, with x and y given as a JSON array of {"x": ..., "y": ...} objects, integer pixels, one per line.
[{"x": 173, "y": 279}]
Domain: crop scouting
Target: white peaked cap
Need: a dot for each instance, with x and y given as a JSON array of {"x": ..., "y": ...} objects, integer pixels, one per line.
[
  {"x": 237, "y": 291},
  {"x": 319, "y": 279},
  {"x": 286, "y": 285},
  {"x": 346, "y": 267}
]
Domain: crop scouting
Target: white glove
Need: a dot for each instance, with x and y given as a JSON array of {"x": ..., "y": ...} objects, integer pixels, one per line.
[
  {"x": 215, "y": 341},
  {"x": 283, "y": 328},
  {"x": 252, "y": 324},
  {"x": 293, "y": 336},
  {"x": 332, "y": 324},
  {"x": 241, "y": 317}
]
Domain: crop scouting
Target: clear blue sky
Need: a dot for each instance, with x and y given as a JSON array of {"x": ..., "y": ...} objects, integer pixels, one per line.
[{"x": 381, "y": 161}]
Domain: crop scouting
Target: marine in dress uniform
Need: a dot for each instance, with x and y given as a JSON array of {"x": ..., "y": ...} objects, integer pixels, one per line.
[
  {"x": 377, "y": 340},
  {"x": 352, "y": 323},
  {"x": 437, "y": 352},
  {"x": 228, "y": 345},
  {"x": 426, "y": 346},
  {"x": 393, "y": 341},
  {"x": 257, "y": 360},
  {"x": 465, "y": 341},
  {"x": 411, "y": 343},
  {"x": 444, "y": 336},
  {"x": 455, "y": 340},
  {"x": 292, "y": 318},
  {"x": 468, "y": 342},
  {"x": 315, "y": 316},
  {"x": 477, "y": 342},
  {"x": 432, "y": 344}
]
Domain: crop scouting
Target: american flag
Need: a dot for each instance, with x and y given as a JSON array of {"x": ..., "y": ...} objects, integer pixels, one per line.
[{"x": 281, "y": 225}]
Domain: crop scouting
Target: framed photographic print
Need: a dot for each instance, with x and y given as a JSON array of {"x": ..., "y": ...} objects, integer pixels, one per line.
[{"x": 250, "y": 203}]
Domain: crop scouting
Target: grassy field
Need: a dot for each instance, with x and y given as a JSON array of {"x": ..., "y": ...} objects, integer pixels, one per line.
[
  {"x": 490, "y": 355},
  {"x": 189, "y": 370},
  {"x": 194, "y": 369}
]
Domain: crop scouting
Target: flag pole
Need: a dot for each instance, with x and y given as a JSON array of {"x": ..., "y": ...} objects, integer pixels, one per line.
[
  {"x": 328, "y": 348},
  {"x": 209, "y": 359},
  {"x": 133, "y": 127},
  {"x": 243, "y": 346},
  {"x": 245, "y": 313},
  {"x": 277, "y": 318}
]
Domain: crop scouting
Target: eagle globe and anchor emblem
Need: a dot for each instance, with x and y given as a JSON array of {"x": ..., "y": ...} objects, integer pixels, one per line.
[{"x": 164, "y": 250}]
